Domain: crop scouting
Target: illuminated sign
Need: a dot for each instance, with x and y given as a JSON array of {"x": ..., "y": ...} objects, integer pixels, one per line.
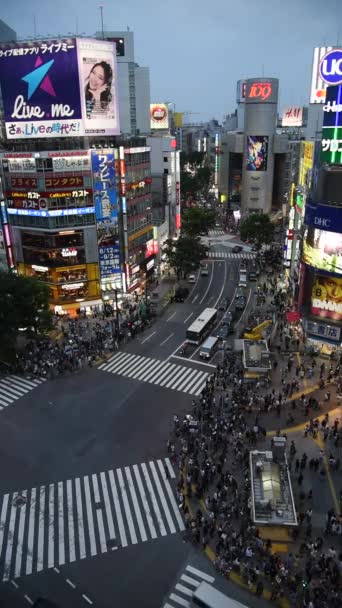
[
  {"x": 23, "y": 182},
  {"x": 257, "y": 149},
  {"x": 330, "y": 68},
  {"x": 319, "y": 72},
  {"x": 51, "y": 212},
  {"x": 325, "y": 217},
  {"x": 22, "y": 165},
  {"x": 323, "y": 250},
  {"x": 323, "y": 330},
  {"x": 326, "y": 300},
  {"x": 260, "y": 90},
  {"x": 332, "y": 110},
  {"x": 292, "y": 117},
  {"x": 61, "y": 164},
  {"x": 69, "y": 252},
  {"x": 159, "y": 116},
  {"x": 150, "y": 264},
  {"x": 306, "y": 163},
  {"x": 331, "y": 145},
  {"x": 39, "y": 268}
]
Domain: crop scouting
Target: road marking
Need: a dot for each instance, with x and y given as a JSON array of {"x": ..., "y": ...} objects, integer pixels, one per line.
[
  {"x": 86, "y": 598},
  {"x": 70, "y": 583},
  {"x": 223, "y": 285},
  {"x": 197, "y": 362},
  {"x": 166, "y": 339},
  {"x": 56, "y": 570},
  {"x": 201, "y": 574},
  {"x": 148, "y": 337},
  {"x": 190, "y": 315},
  {"x": 210, "y": 282},
  {"x": 169, "y": 319},
  {"x": 28, "y": 599},
  {"x": 195, "y": 298},
  {"x": 15, "y": 585},
  {"x": 245, "y": 309}
]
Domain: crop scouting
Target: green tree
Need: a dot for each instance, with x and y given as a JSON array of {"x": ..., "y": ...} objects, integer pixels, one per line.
[
  {"x": 195, "y": 175},
  {"x": 257, "y": 228},
  {"x": 197, "y": 220},
  {"x": 24, "y": 302},
  {"x": 185, "y": 254}
]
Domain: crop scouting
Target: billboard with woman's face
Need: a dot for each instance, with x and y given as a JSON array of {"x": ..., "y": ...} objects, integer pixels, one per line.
[
  {"x": 326, "y": 300},
  {"x": 98, "y": 84}
]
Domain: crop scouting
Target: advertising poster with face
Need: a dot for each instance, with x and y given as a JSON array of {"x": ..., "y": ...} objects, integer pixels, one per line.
[
  {"x": 327, "y": 297},
  {"x": 257, "y": 148}
]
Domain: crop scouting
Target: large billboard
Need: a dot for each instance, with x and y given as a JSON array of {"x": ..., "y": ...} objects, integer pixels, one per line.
[
  {"x": 261, "y": 90},
  {"x": 306, "y": 163},
  {"x": 159, "y": 115},
  {"x": 326, "y": 300},
  {"x": 323, "y": 250},
  {"x": 326, "y": 70},
  {"x": 326, "y": 217},
  {"x": 59, "y": 88},
  {"x": 332, "y": 109},
  {"x": 292, "y": 117},
  {"x": 331, "y": 145},
  {"x": 257, "y": 149}
]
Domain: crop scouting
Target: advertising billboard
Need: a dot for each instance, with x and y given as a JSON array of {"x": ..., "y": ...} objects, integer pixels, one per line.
[
  {"x": 331, "y": 145},
  {"x": 323, "y": 250},
  {"x": 292, "y": 117},
  {"x": 257, "y": 149},
  {"x": 326, "y": 217},
  {"x": 326, "y": 299},
  {"x": 261, "y": 90},
  {"x": 47, "y": 93},
  {"x": 326, "y": 71},
  {"x": 159, "y": 116},
  {"x": 98, "y": 85},
  {"x": 332, "y": 109},
  {"x": 306, "y": 163}
]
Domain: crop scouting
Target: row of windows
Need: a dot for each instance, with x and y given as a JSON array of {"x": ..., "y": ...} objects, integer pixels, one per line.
[
  {"x": 138, "y": 223},
  {"x": 53, "y": 222}
]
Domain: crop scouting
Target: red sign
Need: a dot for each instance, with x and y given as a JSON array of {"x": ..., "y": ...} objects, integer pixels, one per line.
[
  {"x": 293, "y": 316},
  {"x": 61, "y": 182},
  {"x": 260, "y": 90},
  {"x": 159, "y": 113},
  {"x": 149, "y": 248},
  {"x": 23, "y": 182}
]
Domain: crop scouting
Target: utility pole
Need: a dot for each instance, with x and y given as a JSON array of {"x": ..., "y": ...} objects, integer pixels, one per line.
[{"x": 101, "y": 15}]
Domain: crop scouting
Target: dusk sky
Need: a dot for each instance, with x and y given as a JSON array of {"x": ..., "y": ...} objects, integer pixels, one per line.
[{"x": 197, "y": 50}]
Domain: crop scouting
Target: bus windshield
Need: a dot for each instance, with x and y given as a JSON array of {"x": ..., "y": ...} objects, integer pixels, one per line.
[{"x": 200, "y": 328}]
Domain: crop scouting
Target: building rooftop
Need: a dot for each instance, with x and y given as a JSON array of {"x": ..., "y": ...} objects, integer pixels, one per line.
[{"x": 256, "y": 356}]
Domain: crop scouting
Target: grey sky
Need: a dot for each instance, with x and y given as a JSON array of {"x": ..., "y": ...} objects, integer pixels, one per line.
[{"x": 198, "y": 49}]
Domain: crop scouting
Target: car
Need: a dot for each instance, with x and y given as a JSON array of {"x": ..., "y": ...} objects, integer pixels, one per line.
[
  {"x": 237, "y": 249},
  {"x": 192, "y": 278},
  {"x": 227, "y": 318},
  {"x": 221, "y": 333},
  {"x": 252, "y": 276},
  {"x": 181, "y": 294},
  {"x": 240, "y": 303},
  {"x": 204, "y": 270}
]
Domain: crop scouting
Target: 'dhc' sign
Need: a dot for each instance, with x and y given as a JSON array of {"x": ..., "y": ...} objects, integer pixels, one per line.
[
  {"x": 330, "y": 68},
  {"x": 262, "y": 90}
]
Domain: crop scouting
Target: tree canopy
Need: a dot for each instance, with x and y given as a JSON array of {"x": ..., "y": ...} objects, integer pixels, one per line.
[
  {"x": 185, "y": 254},
  {"x": 257, "y": 228},
  {"x": 196, "y": 220},
  {"x": 195, "y": 175},
  {"x": 24, "y": 303}
]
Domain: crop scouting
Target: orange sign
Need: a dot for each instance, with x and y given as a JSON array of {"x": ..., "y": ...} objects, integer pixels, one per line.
[{"x": 260, "y": 90}]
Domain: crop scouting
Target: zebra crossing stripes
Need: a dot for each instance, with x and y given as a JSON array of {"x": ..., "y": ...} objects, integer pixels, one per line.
[
  {"x": 216, "y": 233},
  {"x": 70, "y": 520},
  {"x": 13, "y": 387},
  {"x": 231, "y": 256},
  {"x": 155, "y": 371},
  {"x": 188, "y": 582}
]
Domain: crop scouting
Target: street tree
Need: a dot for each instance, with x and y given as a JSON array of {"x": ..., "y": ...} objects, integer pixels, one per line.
[
  {"x": 257, "y": 228},
  {"x": 24, "y": 303},
  {"x": 185, "y": 254},
  {"x": 195, "y": 175},
  {"x": 196, "y": 220}
]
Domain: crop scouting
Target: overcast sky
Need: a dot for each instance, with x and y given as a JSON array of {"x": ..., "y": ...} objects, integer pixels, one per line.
[{"x": 198, "y": 49}]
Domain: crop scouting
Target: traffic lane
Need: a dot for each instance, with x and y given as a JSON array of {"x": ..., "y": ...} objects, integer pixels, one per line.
[
  {"x": 85, "y": 423},
  {"x": 139, "y": 576}
]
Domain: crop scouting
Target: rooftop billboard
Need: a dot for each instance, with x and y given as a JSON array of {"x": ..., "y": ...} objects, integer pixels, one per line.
[{"x": 59, "y": 88}]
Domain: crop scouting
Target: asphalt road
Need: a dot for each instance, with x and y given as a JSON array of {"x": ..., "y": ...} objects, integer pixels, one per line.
[{"x": 98, "y": 522}]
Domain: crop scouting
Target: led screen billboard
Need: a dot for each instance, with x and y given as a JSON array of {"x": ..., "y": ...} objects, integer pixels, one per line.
[
  {"x": 159, "y": 116},
  {"x": 59, "y": 88},
  {"x": 331, "y": 145},
  {"x": 332, "y": 109},
  {"x": 323, "y": 250},
  {"x": 326, "y": 300},
  {"x": 257, "y": 149}
]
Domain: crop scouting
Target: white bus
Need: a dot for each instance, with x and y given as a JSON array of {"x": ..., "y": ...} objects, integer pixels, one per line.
[
  {"x": 200, "y": 328},
  {"x": 207, "y": 596}
]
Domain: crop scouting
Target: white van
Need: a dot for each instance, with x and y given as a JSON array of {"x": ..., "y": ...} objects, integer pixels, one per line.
[
  {"x": 204, "y": 270},
  {"x": 242, "y": 280},
  {"x": 209, "y": 347},
  {"x": 206, "y": 596}
]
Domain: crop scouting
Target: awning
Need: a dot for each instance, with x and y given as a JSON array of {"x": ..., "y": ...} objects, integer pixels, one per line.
[{"x": 293, "y": 316}]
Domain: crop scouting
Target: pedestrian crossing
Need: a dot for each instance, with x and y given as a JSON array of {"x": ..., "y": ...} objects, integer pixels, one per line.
[
  {"x": 70, "y": 520},
  {"x": 155, "y": 371},
  {"x": 243, "y": 255},
  {"x": 216, "y": 233},
  {"x": 13, "y": 387},
  {"x": 186, "y": 585}
]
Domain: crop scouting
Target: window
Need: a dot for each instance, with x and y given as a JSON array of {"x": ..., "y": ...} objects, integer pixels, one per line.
[{"x": 165, "y": 159}]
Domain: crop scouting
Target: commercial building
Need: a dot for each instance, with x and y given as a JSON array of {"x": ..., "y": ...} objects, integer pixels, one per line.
[
  {"x": 6, "y": 33},
  {"x": 326, "y": 71},
  {"x": 254, "y": 154},
  {"x": 133, "y": 84},
  {"x": 76, "y": 203}
]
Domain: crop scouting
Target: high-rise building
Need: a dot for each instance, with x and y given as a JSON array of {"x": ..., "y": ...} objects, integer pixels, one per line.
[
  {"x": 6, "y": 33},
  {"x": 133, "y": 85}
]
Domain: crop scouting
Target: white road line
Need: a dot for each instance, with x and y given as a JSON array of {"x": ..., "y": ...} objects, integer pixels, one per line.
[
  {"x": 200, "y": 574},
  {"x": 15, "y": 585},
  {"x": 201, "y": 383},
  {"x": 171, "y": 317},
  {"x": 120, "y": 364},
  {"x": 99, "y": 516},
  {"x": 20, "y": 540},
  {"x": 190, "y": 581},
  {"x": 187, "y": 319},
  {"x": 86, "y": 598},
  {"x": 108, "y": 507},
  {"x": 79, "y": 511},
  {"x": 51, "y": 524},
  {"x": 136, "y": 506},
  {"x": 71, "y": 529},
  {"x": 30, "y": 383},
  {"x": 162, "y": 498},
  {"x": 151, "y": 370},
  {"x": 135, "y": 370},
  {"x": 154, "y": 500},
  {"x": 184, "y": 379},
  {"x": 223, "y": 285},
  {"x": 70, "y": 583},
  {"x": 3, "y": 519},
  {"x": 171, "y": 496},
  {"x": 184, "y": 590},
  {"x": 41, "y": 529},
  {"x": 166, "y": 340},
  {"x": 148, "y": 337},
  {"x": 61, "y": 544},
  {"x": 6, "y": 400},
  {"x": 179, "y": 600},
  {"x": 117, "y": 508},
  {"x": 13, "y": 390},
  {"x": 91, "y": 529},
  {"x": 146, "y": 506},
  {"x": 28, "y": 599},
  {"x": 56, "y": 570},
  {"x": 30, "y": 537},
  {"x": 173, "y": 377},
  {"x": 10, "y": 537},
  {"x": 170, "y": 377},
  {"x": 127, "y": 507},
  {"x": 209, "y": 285},
  {"x": 195, "y": 298},
  {"x": 170, "y": 468},
  {"x": 163, "y": 373},
  {"x": 194, "y": 381}
]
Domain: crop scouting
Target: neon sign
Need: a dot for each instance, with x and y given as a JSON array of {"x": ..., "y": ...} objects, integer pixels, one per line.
[{"x": 260, "y": 90}]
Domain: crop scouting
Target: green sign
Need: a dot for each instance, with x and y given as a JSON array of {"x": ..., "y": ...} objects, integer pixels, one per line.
[{"x": 331, "y": 145}]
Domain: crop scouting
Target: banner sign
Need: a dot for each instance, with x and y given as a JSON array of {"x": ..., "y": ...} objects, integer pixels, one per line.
[
  {"x": 109, "y": 260},
  {"x": 325, "y": 217},
  {"x": 332, "y": 109},
  {"x": 322, "y": 330},
  {"x": 292, "y": 117},
  {"x": 51, "y": 183},
  {"x": 105, "y": 199}
]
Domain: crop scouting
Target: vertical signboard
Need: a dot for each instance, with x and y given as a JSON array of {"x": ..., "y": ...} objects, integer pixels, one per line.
[
  {"x": 331, "y": 145},
  {"x": 159, "y": 116},
  {"x": 59, "y": 88},
  {"x": 106, "y": 212}
]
